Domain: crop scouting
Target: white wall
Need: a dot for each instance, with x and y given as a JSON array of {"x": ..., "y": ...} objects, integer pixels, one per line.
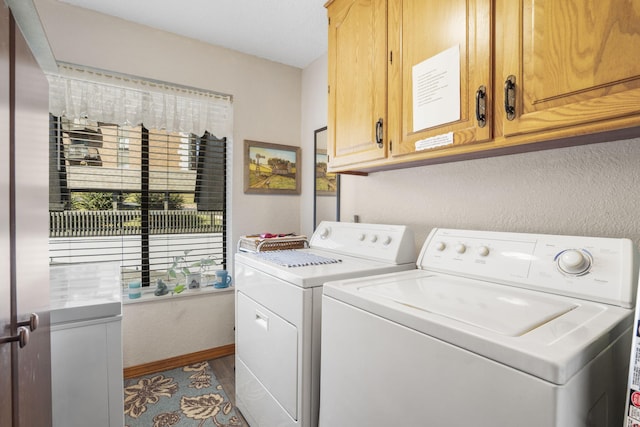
[
  {"x": 585, "y": 190},
  {"x": 159, "y": 329},
  {"x": 266, "y": 101}
]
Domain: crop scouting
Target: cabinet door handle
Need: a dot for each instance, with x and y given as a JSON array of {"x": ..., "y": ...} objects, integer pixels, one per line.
[
  {"x": 510, "y": 97},
  {"x": 22, "y": 337},
  {"x": 481, "y": 106},
  {"x": 379, "y": 133},
  {"x": 32, "y": 323}
]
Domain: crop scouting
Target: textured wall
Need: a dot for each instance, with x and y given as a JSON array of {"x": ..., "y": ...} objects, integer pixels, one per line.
[
  {"x": 585, "y": 190},
  {"x": 162, "y": 328}
]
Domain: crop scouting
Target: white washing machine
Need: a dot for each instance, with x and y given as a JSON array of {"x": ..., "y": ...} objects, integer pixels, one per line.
[
  {"x": 278, "y": 303},
  {"x": 493, "y": 329}
]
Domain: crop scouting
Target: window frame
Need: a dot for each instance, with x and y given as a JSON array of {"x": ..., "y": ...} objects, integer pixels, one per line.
[{"x": 58, "y": 173}]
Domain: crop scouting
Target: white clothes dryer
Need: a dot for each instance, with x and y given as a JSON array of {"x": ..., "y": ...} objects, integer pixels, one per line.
[
  {"x": 278, "y": 308},
  {"x": 492, "y": 330}
]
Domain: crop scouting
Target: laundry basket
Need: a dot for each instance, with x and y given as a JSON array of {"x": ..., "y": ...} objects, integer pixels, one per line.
[{"x": 260, "y": 244}]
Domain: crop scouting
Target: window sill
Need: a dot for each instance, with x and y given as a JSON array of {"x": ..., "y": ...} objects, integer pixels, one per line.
[{"x": 148, "y": 296}]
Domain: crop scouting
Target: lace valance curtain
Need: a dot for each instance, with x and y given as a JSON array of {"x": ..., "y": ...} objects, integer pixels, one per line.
[{"x": 82, "y": 93}]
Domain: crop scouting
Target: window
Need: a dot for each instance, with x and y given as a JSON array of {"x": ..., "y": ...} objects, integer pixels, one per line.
[
  {"x": 123, "y": 150},
  {"x": 139, "y": 196}
]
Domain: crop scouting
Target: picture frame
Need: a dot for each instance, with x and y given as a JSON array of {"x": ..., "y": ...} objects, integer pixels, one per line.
[
  {"x": 326, "y": 182},
  {"x": 271, "y": 168}
]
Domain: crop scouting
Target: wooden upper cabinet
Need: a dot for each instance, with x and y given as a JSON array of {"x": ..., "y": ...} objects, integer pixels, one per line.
[
  {"x": 420, "y": 31},
  {"x": 357, "y": 79},
  {"x": 575, "y": 63},
  {"x": 554, "y": 72}
]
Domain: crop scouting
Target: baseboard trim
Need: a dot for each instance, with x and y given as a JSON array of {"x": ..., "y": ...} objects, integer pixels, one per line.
[{"x": 178, "y": 361}]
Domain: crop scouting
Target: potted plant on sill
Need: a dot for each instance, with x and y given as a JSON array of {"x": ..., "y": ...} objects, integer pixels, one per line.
[{"x": 180, "y": 268}]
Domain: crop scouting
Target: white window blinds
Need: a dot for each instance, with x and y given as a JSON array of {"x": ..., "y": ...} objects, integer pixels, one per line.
[{"x": 142, "y": 194}]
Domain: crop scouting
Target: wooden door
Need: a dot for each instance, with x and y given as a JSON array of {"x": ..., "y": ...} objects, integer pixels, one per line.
[
  {"x": 25, "y": 371},
  {"x": 575, "y": 62},
  {"x": 421, "y": 34},
  {"x": 357, "y": 55},
  {"x": 5, "y": 285},
  {"x": 30, "y": 205}
]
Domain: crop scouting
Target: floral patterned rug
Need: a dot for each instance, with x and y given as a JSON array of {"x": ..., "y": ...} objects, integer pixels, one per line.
[{"x": 187, "y": 396}]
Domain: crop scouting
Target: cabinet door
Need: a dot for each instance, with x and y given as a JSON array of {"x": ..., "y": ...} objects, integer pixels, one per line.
[
  {"x": 575, "y": 62},
  {"x": 357, "y": 55},
  {"x": 87, "y": 357},
  {"x": 420, "y": 34}
]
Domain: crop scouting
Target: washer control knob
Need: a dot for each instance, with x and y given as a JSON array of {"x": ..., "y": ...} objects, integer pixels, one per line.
[
  {"x": 374, "y": 238},
  {"x": 361, "y": 237},
  {"x": 324, "y": 233},
  {"x": 574, "y": 261},
  {"x": 483, "y": 251},
  {"x": 460, "y": 248},
  {"x": 387, "y": 241},
  {"x": 441, "y": 246}
]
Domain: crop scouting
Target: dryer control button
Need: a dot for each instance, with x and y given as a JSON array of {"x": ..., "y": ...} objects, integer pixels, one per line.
[
  {"x": 460, "y": 248},
  {"x": 324, "y": 233},
  {"x": 374, "y": 238},
  {"x": 483, "y": 251},
  {"x": 387, "y": 241},
  {"x": 441, "y": 246}
]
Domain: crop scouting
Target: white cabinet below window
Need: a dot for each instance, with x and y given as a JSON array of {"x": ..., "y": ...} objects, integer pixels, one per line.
[{"x": 86, "y": 373}]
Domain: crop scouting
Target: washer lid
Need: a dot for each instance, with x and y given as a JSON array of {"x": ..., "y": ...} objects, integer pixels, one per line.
[
  {"x": 503, "y": 310},
  {"x": 549, "y": 336}
]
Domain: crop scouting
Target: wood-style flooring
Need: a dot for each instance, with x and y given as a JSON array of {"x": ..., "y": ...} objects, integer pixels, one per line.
[{"x": 224, "y": 369}]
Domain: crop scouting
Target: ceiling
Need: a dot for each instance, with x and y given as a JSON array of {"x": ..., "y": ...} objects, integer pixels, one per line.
[{"x": 291, "y": 32}]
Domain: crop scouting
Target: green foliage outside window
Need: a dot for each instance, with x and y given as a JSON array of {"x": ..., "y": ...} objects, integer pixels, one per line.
[
  {"x": 91, "y": 201},
  {"x": 156, "y": 201},
  {"x": 102, "y": 201}
]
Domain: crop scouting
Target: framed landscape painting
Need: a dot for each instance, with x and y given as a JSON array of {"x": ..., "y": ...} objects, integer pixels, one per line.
[
  {"x": 271, "y": 168},
  {"x": 326, "y": 182}
]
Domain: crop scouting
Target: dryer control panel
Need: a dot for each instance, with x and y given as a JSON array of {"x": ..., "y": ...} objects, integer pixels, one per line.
[
  {"x": 382, "y": 242},
  {"x": 591, "y": 268}
]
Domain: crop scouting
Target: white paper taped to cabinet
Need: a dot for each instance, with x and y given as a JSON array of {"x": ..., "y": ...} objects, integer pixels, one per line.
[{"x": 435, "y": 141}]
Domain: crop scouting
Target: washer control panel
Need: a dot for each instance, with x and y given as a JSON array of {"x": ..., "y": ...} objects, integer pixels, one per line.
[
  {"x": 574, "y": 262},
  {"x": 592, "y": 268}
]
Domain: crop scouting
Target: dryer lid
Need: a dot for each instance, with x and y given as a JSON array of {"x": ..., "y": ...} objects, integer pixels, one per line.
[{"x": 500, "y": 309}]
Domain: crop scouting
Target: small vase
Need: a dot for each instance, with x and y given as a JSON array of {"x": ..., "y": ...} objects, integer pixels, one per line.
[{"x": 193, "y": 280}]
